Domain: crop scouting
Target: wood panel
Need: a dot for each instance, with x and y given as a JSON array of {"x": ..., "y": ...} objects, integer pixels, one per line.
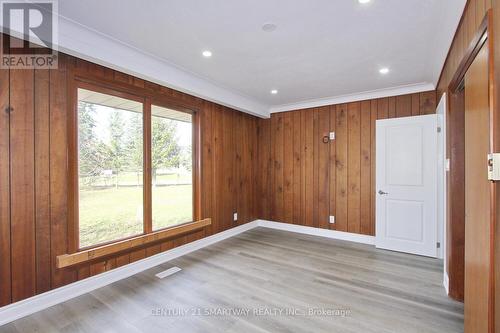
[
  {"x": 456, "y": 195},
  {"x": 332, "y": 165},
  {"x": 428, "y": 103},
  {"x": 403, "y": 106},
  {"x": 365, "y": 169},
  {"x": 42, "y": 180},
  {"x": 265, "y": 165},
  {"x": 323, "y": 167},
  {"x": 288, "y": 171},
  {"x": 308, "y": 160},
  {"x": 336, "y": 178},
  {"x": 472, "y": 17},
  {"x": 37, "y": 218},
  {"x": 315, "y": 171},
  {"x": 390, "y": 104},
  {"x": 207, "y": 173},
  {"x": 415, "y": 105},
  {"x": 353, "y": 168},
  {"x": 58, "y": 100},
  {"x": 373, "y": 114},
  {"x": 278, "y": 168},
  {"x": 22, "y": 170},
  {"x": 341, "y": 141},
  {"x": 297, "y": 167},
  {"x": 5, "y": 254},
  {"x": 477, "y": 197}
]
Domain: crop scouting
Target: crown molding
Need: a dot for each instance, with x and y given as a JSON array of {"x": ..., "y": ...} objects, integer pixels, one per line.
[
  {"x": 362, "y": 96},
  {"x": 80, "y": 41}
]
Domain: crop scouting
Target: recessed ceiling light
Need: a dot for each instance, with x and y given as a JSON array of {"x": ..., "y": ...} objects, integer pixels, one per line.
[
  {"x": 207, "y": 54},
  {"x": 384, "y": 70},
  {"x": 269, "y": 27},
  {"x": 364, "y": 1},
  {"x": 274, "y": 91}
]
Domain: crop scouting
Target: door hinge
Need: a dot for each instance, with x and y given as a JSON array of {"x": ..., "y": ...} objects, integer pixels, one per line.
[
  {"x": 438, "y": 245},
  {"x": 439, "y": 129}
]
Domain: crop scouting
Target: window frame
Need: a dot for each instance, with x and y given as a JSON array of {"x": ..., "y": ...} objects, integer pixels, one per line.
[{"x": 147, "y": 98}]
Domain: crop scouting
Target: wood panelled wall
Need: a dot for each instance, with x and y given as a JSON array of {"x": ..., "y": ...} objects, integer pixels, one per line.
[
  {"x": 303, "y": 180},
  {"x": 34, "y": 180},
  {"x": 472, "y": 17},
  {"x": 474, "y": 13}
]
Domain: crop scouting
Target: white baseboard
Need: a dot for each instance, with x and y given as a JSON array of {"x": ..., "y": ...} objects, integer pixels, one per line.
[
  {"x": 334, "y": 234},
  {"x": 50, "y": 298}
]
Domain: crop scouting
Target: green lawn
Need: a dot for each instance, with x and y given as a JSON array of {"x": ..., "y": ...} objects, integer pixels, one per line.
[{"x": 114, "y": 213}]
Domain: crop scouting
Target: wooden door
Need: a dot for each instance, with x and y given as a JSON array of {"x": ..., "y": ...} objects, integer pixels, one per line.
[{"x": 477, "y": 196}]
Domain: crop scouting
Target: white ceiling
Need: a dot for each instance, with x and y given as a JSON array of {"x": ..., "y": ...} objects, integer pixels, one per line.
[{"x": 321, "y": 49}]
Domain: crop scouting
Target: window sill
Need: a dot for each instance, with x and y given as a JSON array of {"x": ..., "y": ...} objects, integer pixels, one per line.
[{"x": 67, "y": 260}]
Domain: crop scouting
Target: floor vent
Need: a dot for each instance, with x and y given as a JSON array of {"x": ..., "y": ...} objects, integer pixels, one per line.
[{"x": 168, "y": 272}]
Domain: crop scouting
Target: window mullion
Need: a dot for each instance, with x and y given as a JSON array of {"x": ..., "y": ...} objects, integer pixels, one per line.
[{"x": 147, "y": 205}]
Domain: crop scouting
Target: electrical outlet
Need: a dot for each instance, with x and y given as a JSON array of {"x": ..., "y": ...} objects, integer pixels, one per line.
[
  {"x": 235, "y": 217},
  {"x": 332, "y": 135},
  {"x": 447, "y": 164},
  {"x": 332, "y": 219}
]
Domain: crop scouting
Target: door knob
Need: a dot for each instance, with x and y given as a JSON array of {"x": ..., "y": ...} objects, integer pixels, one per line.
[{"x": 382, "y": 192}]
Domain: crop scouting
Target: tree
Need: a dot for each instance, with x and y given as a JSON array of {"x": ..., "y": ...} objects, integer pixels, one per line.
[
  {"x": 135, "y": 144},
  {"x": 117, "y": 144},
  {"x": 166, "y": 152},
  {"x": 92, "y": 153},
  {"x": 187, "y": 158}
]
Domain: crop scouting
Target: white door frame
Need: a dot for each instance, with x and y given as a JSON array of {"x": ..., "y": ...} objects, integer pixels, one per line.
[{"x": 443, "y": 168}]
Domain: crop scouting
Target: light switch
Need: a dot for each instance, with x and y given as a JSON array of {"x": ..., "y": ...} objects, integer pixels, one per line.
[{"x": 494, "y": 167}]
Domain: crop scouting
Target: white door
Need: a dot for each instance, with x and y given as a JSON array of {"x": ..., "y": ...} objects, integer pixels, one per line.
[{"x": 406, "y": 198}]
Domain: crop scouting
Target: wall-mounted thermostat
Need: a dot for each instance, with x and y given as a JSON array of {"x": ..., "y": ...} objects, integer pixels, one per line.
[{"x": 494, "y": 167}]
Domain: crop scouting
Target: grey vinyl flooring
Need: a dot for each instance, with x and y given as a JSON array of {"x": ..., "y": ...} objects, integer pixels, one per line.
[{"x": 266, "y": 280}]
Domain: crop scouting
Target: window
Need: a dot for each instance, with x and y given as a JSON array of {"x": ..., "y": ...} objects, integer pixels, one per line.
[
  {"x": 110, "y": 167},
  {"x": 171, "y": 165},
  {"x": 119, "y": 196}
]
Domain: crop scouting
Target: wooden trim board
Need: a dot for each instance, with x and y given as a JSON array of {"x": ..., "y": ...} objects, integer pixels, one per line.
[{"x": 66, "y": 260}]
